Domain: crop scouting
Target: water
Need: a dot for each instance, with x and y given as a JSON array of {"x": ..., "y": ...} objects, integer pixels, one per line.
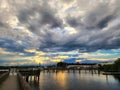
[{"x": 76, "y": 81}]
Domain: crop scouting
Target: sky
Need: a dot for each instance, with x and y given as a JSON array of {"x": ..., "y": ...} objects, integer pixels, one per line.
[{"x": 50, "y": 31}]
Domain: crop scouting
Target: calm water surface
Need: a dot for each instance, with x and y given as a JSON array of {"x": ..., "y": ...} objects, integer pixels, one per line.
[{"x": 76, "y": 81}]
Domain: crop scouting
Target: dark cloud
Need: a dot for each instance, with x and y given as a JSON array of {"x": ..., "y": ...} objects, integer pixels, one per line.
[
  {"x": 74, "y": 22},
  {"x": 13, "y": 62},
  {"x": 25, "y": 15},
  {"x": 4, "y": 25},
  {"x": 38, "y": 16},
  {"x": 1, "y": 24},
  {"x": 11, "y": 45},
  {"x": 105, "y": 40},
  {"x": 48, "y": 16},
  {"x": 56, "y": 26},
  {"x": 90, "y": 34},
  {"x": 104, "y": 22},
  {"x": 99, "y": 16}
]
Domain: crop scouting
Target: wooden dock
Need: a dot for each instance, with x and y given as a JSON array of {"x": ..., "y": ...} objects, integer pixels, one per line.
[
  {"x": 17, "y": 80},
  {"x": 11, "y": 83}
]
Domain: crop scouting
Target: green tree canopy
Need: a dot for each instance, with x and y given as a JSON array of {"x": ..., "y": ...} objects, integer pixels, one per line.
[
  {"x": 61, "y": 64},
  {"x": 117, "y": 64}
]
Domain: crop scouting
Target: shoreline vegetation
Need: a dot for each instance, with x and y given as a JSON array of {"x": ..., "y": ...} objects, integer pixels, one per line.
[
  {"x": 111, "y": 69},
  {"x": 115, "y": 67}
]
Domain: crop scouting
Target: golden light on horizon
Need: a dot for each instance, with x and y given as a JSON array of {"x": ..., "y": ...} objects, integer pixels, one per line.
[
  {"x": 40, "y": 60},
  {"x": 35, "y": 51},
  {"x": 56, "y": 60},
  {"x": 78, "y": 61}
]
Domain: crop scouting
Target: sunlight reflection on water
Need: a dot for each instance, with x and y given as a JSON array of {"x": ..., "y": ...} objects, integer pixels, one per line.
[{"x": 75, "y": 81}]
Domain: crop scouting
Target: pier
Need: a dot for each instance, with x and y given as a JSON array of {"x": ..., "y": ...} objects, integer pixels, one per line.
[{"x": 16, "y": 79}]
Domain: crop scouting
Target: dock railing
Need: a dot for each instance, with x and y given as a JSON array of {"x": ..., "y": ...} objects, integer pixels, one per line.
[
  {"x": 3, "y": 76},
  {"x": 23, "y": 84}
]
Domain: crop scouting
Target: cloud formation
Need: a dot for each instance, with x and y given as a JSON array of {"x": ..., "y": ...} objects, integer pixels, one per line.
[{"x": 65, "y": 25}]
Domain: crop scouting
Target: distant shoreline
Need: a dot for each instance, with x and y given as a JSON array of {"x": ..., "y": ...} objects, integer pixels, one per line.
[{"x": 111, "y": 73}]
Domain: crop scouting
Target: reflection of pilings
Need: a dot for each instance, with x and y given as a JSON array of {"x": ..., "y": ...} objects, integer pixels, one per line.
[
  {"x": 27, "y": 77},
  {"x": 68, "y": 70},
  {"x": 44, "y": 71},
  {"x": 98, "y": 72},
  {"x": 95, "y": 71},
  {"x": 85, "y": 69},
  {"x": 52, "y": 70},
  {"x": 106, "y": 77},
  {"x": 48, "y": 70},
  {"x": 92, "y": 72},
  {"x": 89, "y": 70},
  {"x": 79, "y": 70},
  {"x": 34, "y": 77},
  {"x": 73, "y": 70},
  {"x": 56, "y": 71},
  {"x": 30, "y": 78}
]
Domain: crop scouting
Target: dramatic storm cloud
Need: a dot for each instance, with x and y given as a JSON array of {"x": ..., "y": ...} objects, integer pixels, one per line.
[{"x": 59, "y": 26}]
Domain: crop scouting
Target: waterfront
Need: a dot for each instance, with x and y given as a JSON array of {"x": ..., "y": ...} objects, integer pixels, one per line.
[{"x": 75, "y": 81}]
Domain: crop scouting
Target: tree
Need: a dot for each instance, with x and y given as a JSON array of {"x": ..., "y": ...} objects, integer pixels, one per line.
[
  {"x": 61, "y": 64},
  {"x": 117, "y": 64}
]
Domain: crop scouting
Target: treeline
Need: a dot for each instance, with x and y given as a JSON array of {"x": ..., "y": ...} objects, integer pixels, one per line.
[{"x": 111, "y": 67}]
